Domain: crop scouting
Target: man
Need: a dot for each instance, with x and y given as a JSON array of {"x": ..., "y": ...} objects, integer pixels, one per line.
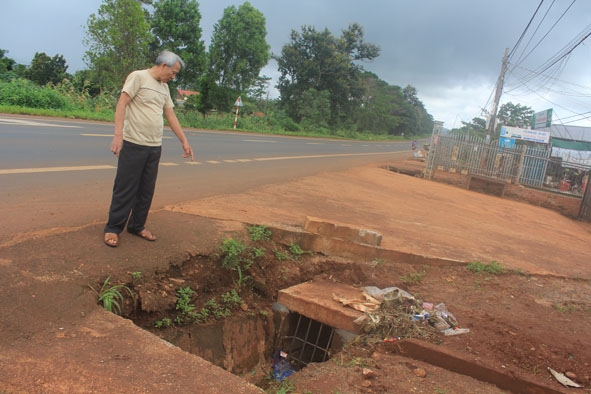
[{"x": 138, "y": 144}]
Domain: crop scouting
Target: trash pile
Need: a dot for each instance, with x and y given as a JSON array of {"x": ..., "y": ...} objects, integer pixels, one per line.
[{"x": 393, "y": 313}]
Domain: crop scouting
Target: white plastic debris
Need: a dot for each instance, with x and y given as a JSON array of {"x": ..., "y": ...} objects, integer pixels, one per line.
[{"x": 562, "y": 379}]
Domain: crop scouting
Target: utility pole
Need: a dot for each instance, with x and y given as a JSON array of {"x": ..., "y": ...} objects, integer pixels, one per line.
[{"x": 493, "y": 114}]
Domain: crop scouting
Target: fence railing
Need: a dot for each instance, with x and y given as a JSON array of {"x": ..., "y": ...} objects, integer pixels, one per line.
[{"x": 523, "y": 164}]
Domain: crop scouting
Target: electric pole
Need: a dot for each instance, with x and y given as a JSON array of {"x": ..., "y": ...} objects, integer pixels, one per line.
[{"x": 493, "y": 114}]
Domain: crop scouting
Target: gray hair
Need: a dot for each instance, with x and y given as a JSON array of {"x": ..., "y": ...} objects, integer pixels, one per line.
[{"x": 169, "y": 58}]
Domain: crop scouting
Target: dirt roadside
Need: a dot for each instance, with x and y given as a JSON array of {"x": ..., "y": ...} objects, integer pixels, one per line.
[{"x": 56, "y": 339}]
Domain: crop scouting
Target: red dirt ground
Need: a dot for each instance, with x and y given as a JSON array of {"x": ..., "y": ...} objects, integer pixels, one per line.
[{"x": 535, "y": 315}]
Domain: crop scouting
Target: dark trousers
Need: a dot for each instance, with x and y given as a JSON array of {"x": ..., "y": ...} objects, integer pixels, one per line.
[{"x": 133, "y": 190}]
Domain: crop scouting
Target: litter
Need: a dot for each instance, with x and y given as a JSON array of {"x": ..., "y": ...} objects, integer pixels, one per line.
[
  {"x": 394, "y": 313},
  {"x": 563, "y": 380}
]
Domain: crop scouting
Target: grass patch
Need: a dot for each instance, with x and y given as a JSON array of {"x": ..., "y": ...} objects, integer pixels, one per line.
[{"x": 493, "y": 267}]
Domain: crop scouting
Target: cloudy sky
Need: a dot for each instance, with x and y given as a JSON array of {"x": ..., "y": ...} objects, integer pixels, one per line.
[{"x": 449, "y": 50}]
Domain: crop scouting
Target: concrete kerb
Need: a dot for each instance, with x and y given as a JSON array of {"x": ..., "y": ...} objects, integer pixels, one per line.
[{"x": 330, "y": 246}]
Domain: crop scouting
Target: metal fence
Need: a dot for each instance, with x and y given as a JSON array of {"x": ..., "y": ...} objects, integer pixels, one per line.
[{"x": 523, "y": 164}]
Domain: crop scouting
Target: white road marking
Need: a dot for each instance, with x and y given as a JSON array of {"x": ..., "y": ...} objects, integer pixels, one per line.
[
  {"x": 19, "y": 122},
  {"x": 54, "y": 169},
  {"x": 107, "y": 135},
  {"x": 171, "y": 164}
]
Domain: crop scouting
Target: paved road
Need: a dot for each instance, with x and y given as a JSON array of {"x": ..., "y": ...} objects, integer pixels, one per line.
[{"x": 59, "y": 173}]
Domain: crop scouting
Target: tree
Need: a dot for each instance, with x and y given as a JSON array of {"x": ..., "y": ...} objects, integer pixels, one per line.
[
  {"x": 45, "y": 69},
  {"x": 477, "y": 127},
  {"x": 239, "y": 49},
  {"x": 118, "y": 38},
  {"x": 515, "y": 115},
  {"x": 6, "y": 63},
  {"x": 318, "y": 60},
  {"x": 175, "y": 25},
  {"x": 385, "y": 108}
]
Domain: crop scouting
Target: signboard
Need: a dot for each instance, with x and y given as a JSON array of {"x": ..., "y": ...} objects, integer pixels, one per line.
[
  {"x": 542, "y": 137},
  {"x": 542, "y": 119},
  {"x": 507, "y": 142}
]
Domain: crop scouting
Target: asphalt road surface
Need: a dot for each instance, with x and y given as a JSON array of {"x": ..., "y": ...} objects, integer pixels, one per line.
[{"x": 57, "y": 173}]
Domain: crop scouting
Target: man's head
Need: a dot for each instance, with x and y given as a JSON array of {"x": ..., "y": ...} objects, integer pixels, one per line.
[{"x": 168, "y": 65}]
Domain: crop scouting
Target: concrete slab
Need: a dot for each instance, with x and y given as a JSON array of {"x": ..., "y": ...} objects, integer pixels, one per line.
[
  {"x": 314, "y": 299},
  {"x": 343, "y": 231}
]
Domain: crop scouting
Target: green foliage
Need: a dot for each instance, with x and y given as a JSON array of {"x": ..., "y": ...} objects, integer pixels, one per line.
[
  {"x": 236, "y": 257},
  {"x": 295, "y": 250},
  {"x": 110, "y": 297},
  {"x": 281, "y": 255},
  {"x": 491, "y": 268},
  {"x": 165, "y": 322},
  {"x": 285, "y": 386},
  {"x": 568, "y": 307},
  {"x": 413, "y": 277},
  {"x": 475, "y": 128},
  {"x": 6, "y": 63},
  {"x": 45, "y": 69},
  {"x": 239, "y": 49},
  {"x": 175, "y": 24},
  {"x": 23, "y": 93},
  {"x": 320, "y": 61},
  {"x": 111, "y": 54},
  {"x": 258, "y": 233},
  {"x": 185, "y": 306},
  {"x": 515, "y": 115}
]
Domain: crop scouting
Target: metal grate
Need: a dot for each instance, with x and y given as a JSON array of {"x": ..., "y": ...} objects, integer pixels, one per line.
[{"x": 308, "y": 341}]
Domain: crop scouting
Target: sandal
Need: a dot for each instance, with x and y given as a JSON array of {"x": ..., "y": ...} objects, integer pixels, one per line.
[
  {"x": 145, "y": 234},
  {"x": 111, "y": 239}
]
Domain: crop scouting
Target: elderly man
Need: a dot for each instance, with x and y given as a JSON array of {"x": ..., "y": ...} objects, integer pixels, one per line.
[{"x": 138, "y": 144}]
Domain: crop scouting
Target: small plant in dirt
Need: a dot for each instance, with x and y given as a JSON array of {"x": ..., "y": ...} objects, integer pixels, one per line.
[
  {"x": 413, "y": 278},
  {"x": 236, "y": 256},
  {"x": 296, "y": 250},
  {"x": 491, "y": 268},
  {"x": 259, "y": 233},
  {"x": 165, "y": 322},
  {"x": 293, "y": 253},
  {"x": 280, "y": 254},
  {"x": 110, "y": 297},
  {"x": 283, "y": 387},
  {"x": 185, "y": 306},
  {"x": 565, "y": 308}
]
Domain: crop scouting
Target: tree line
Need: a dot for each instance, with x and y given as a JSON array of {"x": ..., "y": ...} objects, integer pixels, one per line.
[{"x": 322, "y": 86}]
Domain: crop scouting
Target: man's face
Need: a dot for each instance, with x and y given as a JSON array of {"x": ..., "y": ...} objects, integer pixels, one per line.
[{"x": 169, "y": 73}]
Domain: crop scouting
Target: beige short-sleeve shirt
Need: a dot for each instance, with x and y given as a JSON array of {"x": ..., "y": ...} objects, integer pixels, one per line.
[{"x": 143, "y": 117}]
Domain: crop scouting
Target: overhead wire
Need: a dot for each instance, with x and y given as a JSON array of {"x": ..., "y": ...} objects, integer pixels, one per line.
[{"x": 546, "y": 76}]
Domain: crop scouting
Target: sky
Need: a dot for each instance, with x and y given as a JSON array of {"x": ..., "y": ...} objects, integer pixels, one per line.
[{"x": 451, "y": 51}]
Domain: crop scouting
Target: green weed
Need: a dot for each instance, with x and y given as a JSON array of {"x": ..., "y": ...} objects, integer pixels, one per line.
[
  {"x": 295, "y": 250},
  {"x": 185, "y": 306},
  {"x": 413, "y": 277},
  {"x": 162, "y": 323},
  {"x": 259, "y": 233},
  {"x": 491, "y": 268},
  {"x": 283, "y": 387},
  {"x": 565, "y": 308},
  {"x": 236, "y": 257},
  {"x": 281, "y": 255},
  {"x": 110, "y": 297}
]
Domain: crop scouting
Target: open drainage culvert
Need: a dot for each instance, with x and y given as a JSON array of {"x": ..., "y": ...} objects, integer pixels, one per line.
[{"x": 227, "y": 317}]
